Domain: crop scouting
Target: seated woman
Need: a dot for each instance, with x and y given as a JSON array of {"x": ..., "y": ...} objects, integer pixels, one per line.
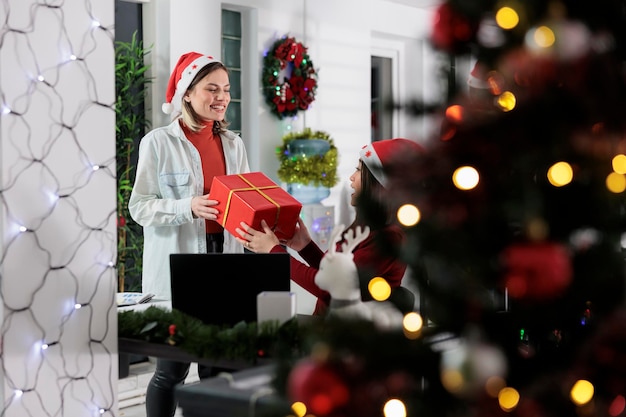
[{"x": 368, "y": 181}]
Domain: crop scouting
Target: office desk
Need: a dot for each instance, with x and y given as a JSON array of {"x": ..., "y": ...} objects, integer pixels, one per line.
[
  {"x": 129, "y": 346},
  {"x": 160, "y": 350}
]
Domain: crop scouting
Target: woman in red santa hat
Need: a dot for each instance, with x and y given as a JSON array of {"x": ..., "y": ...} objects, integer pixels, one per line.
[
  {"x": 370, "y": 182},
  {"x": 169, "y": 199}
]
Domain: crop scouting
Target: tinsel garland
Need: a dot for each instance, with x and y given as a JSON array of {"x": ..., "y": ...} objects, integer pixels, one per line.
[
  {"x": 314, "y": 170},
  {"x": 243, "y": 341}
]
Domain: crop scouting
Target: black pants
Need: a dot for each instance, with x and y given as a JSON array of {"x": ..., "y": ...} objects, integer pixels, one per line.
[{"x": 160, "y": 395}]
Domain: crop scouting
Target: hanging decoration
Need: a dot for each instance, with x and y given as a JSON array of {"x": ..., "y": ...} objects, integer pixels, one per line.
[{"x": 289, "y": 78}]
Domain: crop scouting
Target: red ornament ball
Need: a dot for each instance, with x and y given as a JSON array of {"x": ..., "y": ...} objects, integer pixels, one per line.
[
  {"x": 537, "y": 271},
  {"x": 452, "y": 31},
  {"x": 318, "y": 386}
]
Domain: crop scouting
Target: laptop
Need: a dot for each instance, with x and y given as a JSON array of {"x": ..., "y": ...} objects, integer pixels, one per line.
[{"x": 222, "y": 288}]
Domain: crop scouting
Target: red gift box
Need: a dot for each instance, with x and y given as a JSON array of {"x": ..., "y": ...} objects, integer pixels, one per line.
[{"x": 253, "y": 197}]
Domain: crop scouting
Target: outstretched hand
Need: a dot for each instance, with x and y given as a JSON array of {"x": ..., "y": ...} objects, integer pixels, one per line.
[
  {"x": 300, "y": 238},
  {"x": 258, "y": 241}
]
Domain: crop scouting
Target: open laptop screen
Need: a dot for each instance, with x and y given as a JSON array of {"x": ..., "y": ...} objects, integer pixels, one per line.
[{"x": 222, "y": 288}]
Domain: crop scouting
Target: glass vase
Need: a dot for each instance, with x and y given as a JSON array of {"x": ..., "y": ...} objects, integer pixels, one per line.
[
  {"x": 308, "y": 193},
  {"x": 308, "y": 148}
]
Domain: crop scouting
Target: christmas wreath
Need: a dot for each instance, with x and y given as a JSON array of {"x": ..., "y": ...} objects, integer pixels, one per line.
[{"x": 289, "y": 78}]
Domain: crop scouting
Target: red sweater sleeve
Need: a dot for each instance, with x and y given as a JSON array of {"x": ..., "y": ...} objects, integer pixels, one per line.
[
  {"x": 304, "y": 275},
  {"x": 368, "y": 258},
  {"x": 371, "y": 260}
]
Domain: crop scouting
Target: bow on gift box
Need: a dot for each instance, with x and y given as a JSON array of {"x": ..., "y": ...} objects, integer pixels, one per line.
[
  {"x": 259, "y": 190},
  {"x": 253, "y": 197}
]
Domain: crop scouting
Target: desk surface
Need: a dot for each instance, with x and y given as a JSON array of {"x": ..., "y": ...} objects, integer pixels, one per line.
[
  {"x": 166, "y": 305},
  {"x": 159, "y": 350}
]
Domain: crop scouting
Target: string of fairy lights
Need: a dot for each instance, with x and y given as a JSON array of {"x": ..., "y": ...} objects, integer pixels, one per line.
[
  {"x": 57, "y": 193},
  {"x": 465, "y": 178},
  {"x": 489, "y": 371}
]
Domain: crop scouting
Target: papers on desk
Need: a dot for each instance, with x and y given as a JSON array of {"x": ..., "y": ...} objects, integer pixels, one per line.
[{"x": 132, "y": 298}]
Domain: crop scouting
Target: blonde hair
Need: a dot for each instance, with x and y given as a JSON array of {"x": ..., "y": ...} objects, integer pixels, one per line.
[{"x": 189, "y": 115}]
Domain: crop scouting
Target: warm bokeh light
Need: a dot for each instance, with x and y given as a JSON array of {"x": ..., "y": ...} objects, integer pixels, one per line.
[
  {"x": 408, "y": 215},
  {"x": 299, "y": 408},
  {"x": 394, "y": 408},
  {"x": 465, "y": 178},
  {"x": 619, "y": 164},
  {"x": 507, "y": 18},
  {"x": 582, "y": 392},
  {"x": 412, "y": 322},
  {"x": 506, "y": 101},
  {"x": 508, "y": 398},
  {"x": 379, "y": 288},
  {"x": 452, "y": 380},
  {"x": 616, "y": 183},
  {"x": 560, "y": 174},
  {"x": 544, "y": 37},
  {"x": 537, "y": 229},
  {"x": 454, "y": 113},
  {"x": 320, "y": 352},
  {"x": 494, "y": 385}
]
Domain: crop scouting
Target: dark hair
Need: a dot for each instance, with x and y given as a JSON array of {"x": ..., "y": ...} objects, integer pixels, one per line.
[
  {"x": 372, "y": 207},
  {"x": 190, "y": 117}
]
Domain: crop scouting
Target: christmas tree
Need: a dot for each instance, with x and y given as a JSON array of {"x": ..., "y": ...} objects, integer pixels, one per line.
[{"x": 519, "y": 248}]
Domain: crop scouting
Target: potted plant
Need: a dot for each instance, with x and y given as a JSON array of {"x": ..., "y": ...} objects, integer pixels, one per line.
[
  {"x": 308, "y": 164},
  {"x": 131, "y": 84}
]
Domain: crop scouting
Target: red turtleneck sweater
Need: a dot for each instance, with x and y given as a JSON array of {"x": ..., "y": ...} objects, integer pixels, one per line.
[{"x": 212, "y": 157}]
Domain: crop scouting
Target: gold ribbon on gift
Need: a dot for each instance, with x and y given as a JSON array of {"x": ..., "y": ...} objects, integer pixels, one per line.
[{"x": 252, "y": 188}]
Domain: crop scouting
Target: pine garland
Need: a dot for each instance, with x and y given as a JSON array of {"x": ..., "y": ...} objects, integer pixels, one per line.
[{"x": 244, "y": 341}]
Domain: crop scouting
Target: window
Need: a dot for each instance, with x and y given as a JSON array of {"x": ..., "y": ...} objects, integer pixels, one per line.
[
  {"x": 382, "y": 100},
  {"x": 231, "y": 57}
]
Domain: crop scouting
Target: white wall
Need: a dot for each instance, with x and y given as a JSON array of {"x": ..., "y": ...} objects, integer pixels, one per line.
[
  {"x": 58, "y": 210},
  {"x": 340, "y": 45}
]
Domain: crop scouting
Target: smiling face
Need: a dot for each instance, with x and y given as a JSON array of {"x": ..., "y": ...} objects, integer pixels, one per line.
[
  {"x": 355, "y": 183},
  {"x": 210, "y": 96}
]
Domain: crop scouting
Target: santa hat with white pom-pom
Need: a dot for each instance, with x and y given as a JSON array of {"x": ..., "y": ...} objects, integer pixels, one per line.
[
  {"x": 381, "y": 155},
  {"x": 186, "y": 69}
]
